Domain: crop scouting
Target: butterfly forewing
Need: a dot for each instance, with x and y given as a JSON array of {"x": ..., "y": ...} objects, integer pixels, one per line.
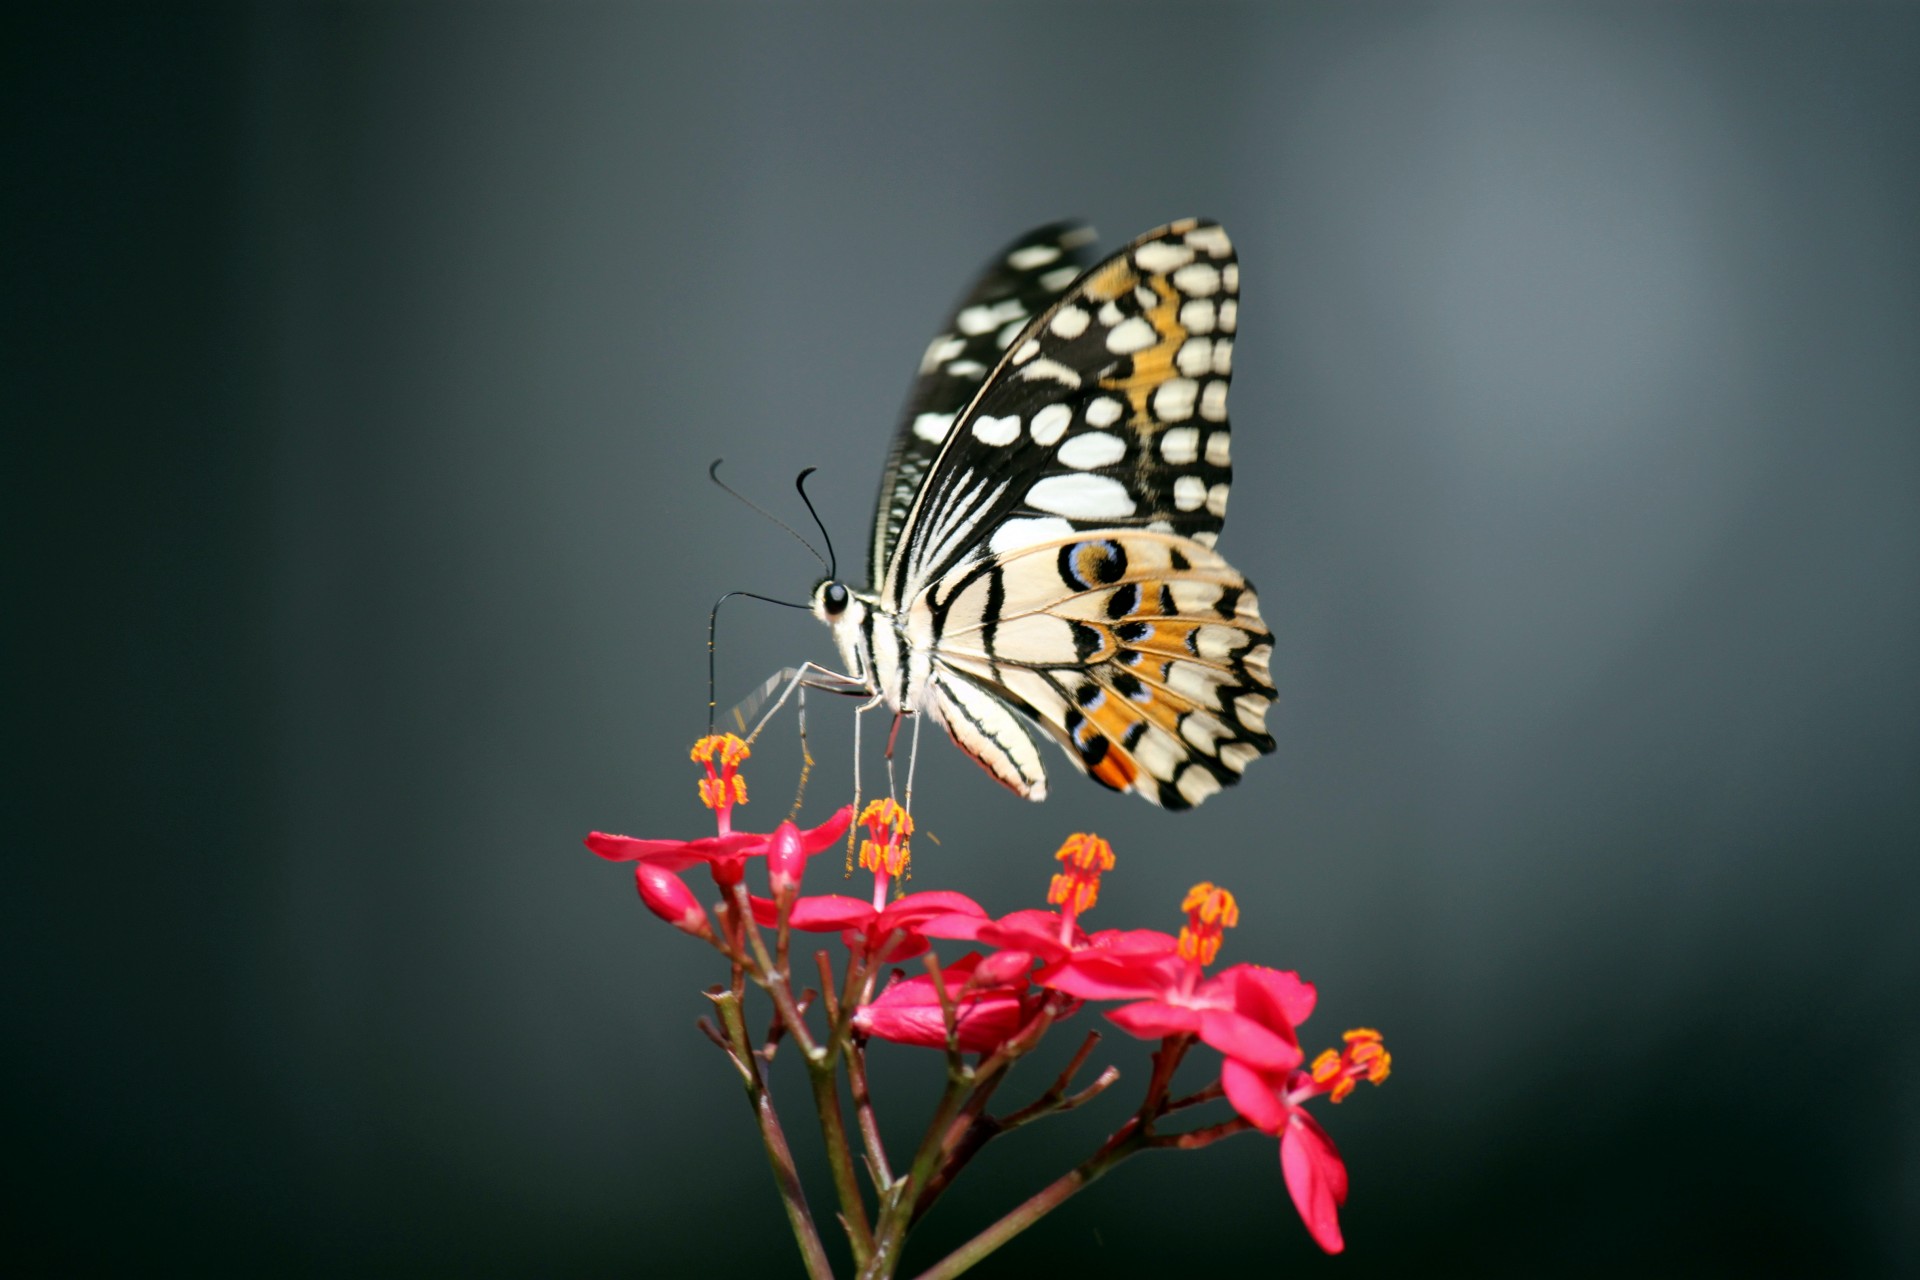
[
  {"x": 1108, "y": 410},
  {"x": 1019, "y": 284}
]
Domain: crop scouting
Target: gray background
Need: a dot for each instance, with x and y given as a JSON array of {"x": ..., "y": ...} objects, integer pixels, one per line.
[{"x": 362, "y": 364}]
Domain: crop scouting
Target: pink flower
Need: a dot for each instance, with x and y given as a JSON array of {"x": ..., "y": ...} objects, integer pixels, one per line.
[
  {"x": 1272, "y": 1101},
  {"x": 1022, "y": 937},
  {"x": 1171, "y": 995},
  {"x": 726, "y": 855},
  {"x": 884, "y": 931},
  {"x": 725, "y": 852},
  {"x": 887, "y": 934},
  {"x": 909, "y": 1010}
]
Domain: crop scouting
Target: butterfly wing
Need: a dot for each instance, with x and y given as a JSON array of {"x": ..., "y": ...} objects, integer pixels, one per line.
[
  {"x": 1143, "y": 654},
  {"x": 1016, "y": 286},
  {"x": 1108, "y": 410}
]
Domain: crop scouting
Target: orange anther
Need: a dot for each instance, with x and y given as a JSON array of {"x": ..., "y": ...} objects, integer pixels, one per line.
[
  {"x": 1365, "y": 1058},
  {"x": 1211, "y": 911},
  {"x": 723, "y": 787},
  {"x": 1085, "y": 858},
  {"x": 889, "y": 826},
  {"x": 729, "y": 749}
]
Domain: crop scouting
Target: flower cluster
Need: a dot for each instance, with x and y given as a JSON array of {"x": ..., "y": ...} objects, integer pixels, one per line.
[{"x": 1024, "y": 972}]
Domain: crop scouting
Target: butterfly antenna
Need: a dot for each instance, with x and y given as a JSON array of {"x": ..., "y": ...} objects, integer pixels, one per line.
[
  {"x": 713, "y": 623},
  {"x": 713, "y": 474},
  {"x": 800, "y": 483}
]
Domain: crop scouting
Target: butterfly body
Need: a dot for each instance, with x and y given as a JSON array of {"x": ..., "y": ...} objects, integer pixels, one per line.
[{"x": 1043, "y": 543}]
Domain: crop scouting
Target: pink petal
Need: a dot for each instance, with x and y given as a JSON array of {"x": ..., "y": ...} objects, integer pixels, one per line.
[
  {"x": 627, "y": 849},
  {"x": 828, "y": 912},
  {"x": 958, "y": 925},
  {"x": 1035, "y": 931},
  {"x": 1004, "y": 968},
  {"x": 674, "y": 855},
  {"x": 899, "y": 946},
  {"x": 1316, "y": 1179},
  {"x": 1031, "y": 923},
  {"x": 1093, "y": 976},
  {"x": 1154, "y": 1019},
  {"x": 925, "y": 906},
  {"x": 1243, "y": 1038},
  {"x": 908, "y": 1012},
  {"x": 1133, "y": 942},
  {"x": 1253, "y": 1096},
  {"x": 984, "y": 1024},
  {"x": 1277, "y": 998},
  {"x": 814, "y": 839}
]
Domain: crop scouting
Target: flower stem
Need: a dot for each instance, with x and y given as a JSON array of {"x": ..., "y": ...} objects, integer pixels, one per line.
[
  {"x": 833, "y": 1131},
  {"x": 779, "y": 1154},
  {"x": 878, "y": 1167},
  {"x": 897, "y": 1204},
  {"x": 1134, "y": 1136},
  {"x": 1124, "y": 1144},
  {"x": 821, "y": 1073}
]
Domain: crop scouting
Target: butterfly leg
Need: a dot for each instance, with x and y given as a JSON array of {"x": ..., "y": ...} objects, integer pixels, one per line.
[
  {"x": 893, "y": 737},
  {"x": 806, "y": 756},
  {"x": 913, "y": 758},
  {"x": 812, "y": 675},
  {"x": 859, "y": 713}
]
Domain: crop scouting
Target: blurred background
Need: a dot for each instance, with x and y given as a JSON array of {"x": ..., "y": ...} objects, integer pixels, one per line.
[{"x": 362, "y": 366}]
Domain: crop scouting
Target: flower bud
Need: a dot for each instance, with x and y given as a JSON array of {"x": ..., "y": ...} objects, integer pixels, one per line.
[
  {"x": 668, "y": 897},
  {"x": 786, "y": 859}
]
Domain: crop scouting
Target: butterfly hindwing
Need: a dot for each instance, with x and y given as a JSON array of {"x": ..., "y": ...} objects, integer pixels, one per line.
[
  {"x": 1143, "y": 654},
  {"x": 982, "y": 725},
  {"x": 1017, "y": 285},
  {"x": 1108, "y": 410}
]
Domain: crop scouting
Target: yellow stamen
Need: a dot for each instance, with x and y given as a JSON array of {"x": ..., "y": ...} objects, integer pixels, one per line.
[
  {"x": 723, "y": 787},
  {"x": 1086, "y": 857},
  {"x": 889, "y": 826},
  {"x": 1365, "y": 1058},
  {"x": 730, "y": 749},
  {"x": 1211, "y": 911}
]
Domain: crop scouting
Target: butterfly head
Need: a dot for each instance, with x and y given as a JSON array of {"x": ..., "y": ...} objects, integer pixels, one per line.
[
  {"x": 845, "y": 613},
  {"x": 834, "y": 604}
]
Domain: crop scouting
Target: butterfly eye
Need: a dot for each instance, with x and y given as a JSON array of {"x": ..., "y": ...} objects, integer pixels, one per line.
[{"x": 835, "y": 599}]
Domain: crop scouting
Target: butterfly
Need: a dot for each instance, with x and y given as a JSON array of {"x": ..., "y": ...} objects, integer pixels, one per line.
[{"x": 1043, "y": 544}]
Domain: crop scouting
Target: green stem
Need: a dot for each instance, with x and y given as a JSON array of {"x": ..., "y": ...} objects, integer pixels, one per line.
[
  {"x": 833, "y": 1130},
  {"x": 821, "y": 1074},
  {"x": 779, "y": 1154},
  {"x": 771, "y": 978},
  {"x": 898, "y": 1203}
]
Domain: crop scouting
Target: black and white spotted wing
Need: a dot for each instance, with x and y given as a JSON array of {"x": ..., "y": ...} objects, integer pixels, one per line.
[
  {"x": 1046, "y": 551},
  {"x": 1017, "y": 285},
  {"x": 1108, "y": 410}
]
